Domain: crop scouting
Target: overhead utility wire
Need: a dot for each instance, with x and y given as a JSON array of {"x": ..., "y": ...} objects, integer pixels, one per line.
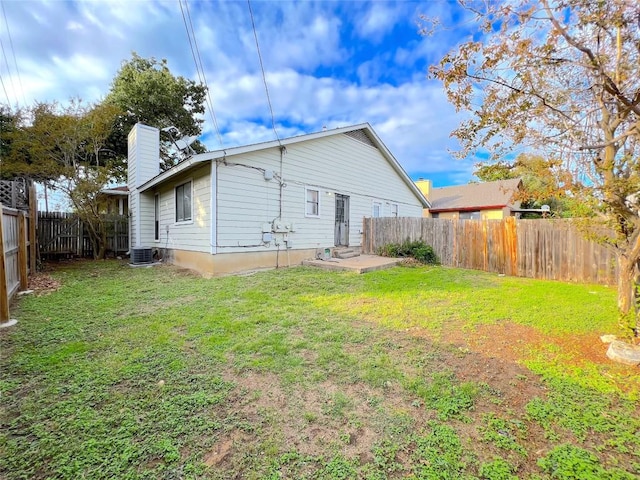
[
  {"x": 199, "y": 67},
  {"x": 5, "y": 91},
  {"x": 264, "y": 78},
  {"x": 9, "y": 73},
  {"x": 13, "y": 52},
  {"x": 211, "y": 110}
]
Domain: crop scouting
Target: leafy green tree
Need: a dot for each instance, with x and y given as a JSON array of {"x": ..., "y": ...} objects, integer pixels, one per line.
[
  {"x": 562, "y": 77},
  {"x": 146, "y": 91},
  {"x": 8, "y": 125},
  {"x": 65, "y": 147},
  {"x": 492, "y": 172},
  {"x": 15, "y": 158},
  {"x": 74, "y": 140}
]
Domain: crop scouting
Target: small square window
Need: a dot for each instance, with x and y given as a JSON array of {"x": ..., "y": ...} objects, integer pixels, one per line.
[
  {"x": 183, "y": 202},
  {"x": 312, "y": 208}
]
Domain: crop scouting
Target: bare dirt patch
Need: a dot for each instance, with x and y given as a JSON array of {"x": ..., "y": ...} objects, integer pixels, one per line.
[
  {"x": 225, "y": 447},
  {"x": 512, "y": 343},
  {"x": 309, "y": 419}
]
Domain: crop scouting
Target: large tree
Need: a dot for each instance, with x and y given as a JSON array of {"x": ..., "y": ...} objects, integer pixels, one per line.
[
  {"x": 146, "y": 91},
  {"x": 65, "y": 147},
  {"x": 562, "y": 77},
  {"x": 543, "y": 182}
]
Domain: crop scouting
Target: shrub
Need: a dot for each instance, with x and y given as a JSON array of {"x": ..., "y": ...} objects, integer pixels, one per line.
[{"x": 416, "y": 249}]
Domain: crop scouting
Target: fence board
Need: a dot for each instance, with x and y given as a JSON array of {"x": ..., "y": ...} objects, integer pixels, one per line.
[
  {"x": 4, "y": 292},
  {"x": 545, "y": 249},
  {"x": 10, "y": 224}
]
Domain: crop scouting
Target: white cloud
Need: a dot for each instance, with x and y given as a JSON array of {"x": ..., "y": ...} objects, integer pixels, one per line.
[
  {"x": 320, "y": 67},
  {"x": 413, "y": 119},
  {"x": 378, "y": 20},
  {"x": 72, "y": 25}
]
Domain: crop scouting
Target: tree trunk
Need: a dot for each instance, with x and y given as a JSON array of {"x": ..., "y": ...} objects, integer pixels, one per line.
[
  {"x": 103, "y": 243},
  {"x": 627, "y": 292},
  {"x": 99, "y": 241}
]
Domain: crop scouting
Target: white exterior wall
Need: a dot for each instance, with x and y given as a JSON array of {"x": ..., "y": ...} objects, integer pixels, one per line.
[
  {"x": 194, "y": 235},
  {"x": 333, "y": 164},
  {"x": 146, "y": 219}
]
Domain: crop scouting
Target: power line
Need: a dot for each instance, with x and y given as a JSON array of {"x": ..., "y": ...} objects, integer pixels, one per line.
[
  {"x": 197, "y": 60},
  {"x": 211, "y": 110},
  {"x": 8, "y": 72},
  {"x": 13, "y": 52},
  {"x": 5, "y": 91},
  {"x": 264, "y": 78}
]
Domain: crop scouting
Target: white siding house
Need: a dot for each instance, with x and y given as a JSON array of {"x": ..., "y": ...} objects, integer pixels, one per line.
[{"x": 266, "y": 204}]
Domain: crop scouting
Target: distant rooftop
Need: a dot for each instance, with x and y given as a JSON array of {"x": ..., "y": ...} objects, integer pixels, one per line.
[{"x": 478, "y": 196}]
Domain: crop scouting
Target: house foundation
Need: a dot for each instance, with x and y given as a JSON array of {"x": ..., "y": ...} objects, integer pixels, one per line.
[{"x": 225, "y": 263}]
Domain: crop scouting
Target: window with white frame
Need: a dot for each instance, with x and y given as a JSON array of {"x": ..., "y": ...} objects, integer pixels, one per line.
[
  {"x": 377, "y": 209},
  {"x": 183, "y": 202},
  {"x": 312, "y": 202}
]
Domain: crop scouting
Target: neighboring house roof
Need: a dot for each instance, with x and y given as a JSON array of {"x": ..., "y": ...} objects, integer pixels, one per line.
[
  {"x": 354, "y": 130},
  {"x": 116, "y": 191},
  {"x": 475, "y": 196}
]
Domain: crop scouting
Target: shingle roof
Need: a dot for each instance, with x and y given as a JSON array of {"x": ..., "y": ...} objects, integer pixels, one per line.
[{"x": 475, "y": 195}]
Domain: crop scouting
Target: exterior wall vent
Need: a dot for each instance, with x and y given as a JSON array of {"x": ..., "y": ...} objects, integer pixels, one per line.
[
  {"x": 361, "y": 136},
  {"x": 140, "y": 255}
]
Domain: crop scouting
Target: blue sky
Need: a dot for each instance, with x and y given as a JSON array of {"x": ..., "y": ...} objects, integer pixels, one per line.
[{"x": 329, "y": 63}]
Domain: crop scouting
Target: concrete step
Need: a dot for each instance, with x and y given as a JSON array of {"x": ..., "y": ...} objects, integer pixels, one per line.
[{"x": 345, "y": 253}]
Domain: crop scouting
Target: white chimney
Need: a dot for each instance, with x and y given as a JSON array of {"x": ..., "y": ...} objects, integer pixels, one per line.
[
  {"x": 144, "y": 155},
  {"x": 143, "y": 164}
]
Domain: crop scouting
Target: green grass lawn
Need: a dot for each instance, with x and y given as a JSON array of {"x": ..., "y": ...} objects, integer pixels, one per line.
[{"x": 419, "y": 373}]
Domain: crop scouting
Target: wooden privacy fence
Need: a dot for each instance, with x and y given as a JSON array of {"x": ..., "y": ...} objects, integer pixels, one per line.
[
  {"x": 17, "y": 254},
  {"x": 64, "y": 234},
  {"x": 545, "y": 248}
]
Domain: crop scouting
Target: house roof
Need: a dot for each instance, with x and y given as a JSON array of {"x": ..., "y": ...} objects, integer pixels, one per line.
[
  {"x": 117, "y": 191},
  {"x": 230, "y": 152},
  {"x": 475, "y": 196}
]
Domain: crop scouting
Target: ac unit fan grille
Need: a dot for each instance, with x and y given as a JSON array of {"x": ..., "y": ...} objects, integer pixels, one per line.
[{"x": 141, "y": 255}]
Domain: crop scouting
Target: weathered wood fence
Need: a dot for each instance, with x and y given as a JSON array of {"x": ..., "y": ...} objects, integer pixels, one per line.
[
  {"x": 17, "y": 254},
  {"x": 545, "y": 248},
  {"x": 64, "y": 234}
]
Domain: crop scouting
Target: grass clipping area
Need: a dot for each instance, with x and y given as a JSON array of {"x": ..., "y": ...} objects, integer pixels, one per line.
[{"x": 419, "y": 373}]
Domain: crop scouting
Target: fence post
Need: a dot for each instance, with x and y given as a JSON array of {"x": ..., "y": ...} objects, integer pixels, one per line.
[
  {"x": 512, "y": 243},
  {"x": 22, "y": 251},
  {"x": 80, "y": 240},
  {"x": 33, "y": 221},
  {"x": 4, "y": 297}
]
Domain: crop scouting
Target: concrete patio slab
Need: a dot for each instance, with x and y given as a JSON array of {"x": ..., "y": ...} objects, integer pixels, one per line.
[{"x": 360, "y": 264}]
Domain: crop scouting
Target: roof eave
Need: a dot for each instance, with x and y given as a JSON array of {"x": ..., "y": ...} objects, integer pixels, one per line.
[
  {"x": 397, "y": 167},
  {"x": 467, "y": 209},
  {"x": 115, "y": 193},
  {"x": 173, "y": 171},
  {"x": 230, "y": 152}
]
